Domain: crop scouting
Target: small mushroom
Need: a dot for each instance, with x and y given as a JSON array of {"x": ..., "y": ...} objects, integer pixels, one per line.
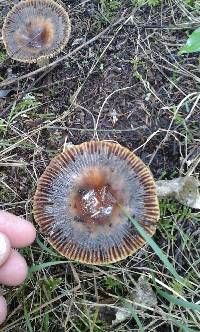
[
  {"x": 35, "y": 30},
  {"x": 80, "y": 200}
]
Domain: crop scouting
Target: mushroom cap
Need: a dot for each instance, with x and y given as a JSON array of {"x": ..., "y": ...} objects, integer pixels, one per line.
[
  {"x": 35, "y": 30},
  {"x": 79, "y": 199}
]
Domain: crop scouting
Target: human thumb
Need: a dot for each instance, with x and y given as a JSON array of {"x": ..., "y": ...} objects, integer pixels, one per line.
[{"x": 5, "y": 248}]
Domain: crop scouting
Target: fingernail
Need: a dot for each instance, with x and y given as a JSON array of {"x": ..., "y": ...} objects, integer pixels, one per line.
[
  {"x": 3, "y": 309},
  {"x": 4, "y": 248}
]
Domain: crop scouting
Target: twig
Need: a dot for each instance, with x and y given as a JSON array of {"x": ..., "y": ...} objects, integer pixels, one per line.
[{"x": 105, "y": 101}]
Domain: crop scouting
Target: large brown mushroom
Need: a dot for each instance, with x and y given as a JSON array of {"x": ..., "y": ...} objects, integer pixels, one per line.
[
  {"x": 35, "y": 30},
  {"x": 80, "y": 200}
]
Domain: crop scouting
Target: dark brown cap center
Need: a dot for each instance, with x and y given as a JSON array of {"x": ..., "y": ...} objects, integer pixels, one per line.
[
  {"x": 36, "y": 34},
  {"x": 96, "y": 205},
  {"x": 96, "y": 201}
]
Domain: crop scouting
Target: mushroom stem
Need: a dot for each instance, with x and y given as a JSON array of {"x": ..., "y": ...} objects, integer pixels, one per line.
[
  {"x": 184, "y": 189},
  {"x": 167, "y": 188}
]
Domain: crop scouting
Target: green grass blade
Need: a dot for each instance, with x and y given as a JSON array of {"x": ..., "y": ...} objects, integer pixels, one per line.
[
  {"x": 155, "y": 247},
  {"x": 27, "y": 318},
  {"x": 45, "y": 248},
  {"x": 179, "y": 302},
  {"x": 39, "y": 267},
  {"x": 185, "y": 328},
  {"x": 137, "y": 320},
  {"x": 182, "y": 326},
  {"x": 135, "y": 316},
  {"x": 45, "y": 325}
]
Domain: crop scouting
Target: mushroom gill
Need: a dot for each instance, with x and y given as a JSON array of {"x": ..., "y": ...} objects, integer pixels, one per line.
[
  {"x": 35, "y": 29},
  {"x": 79, "y": 199}
]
